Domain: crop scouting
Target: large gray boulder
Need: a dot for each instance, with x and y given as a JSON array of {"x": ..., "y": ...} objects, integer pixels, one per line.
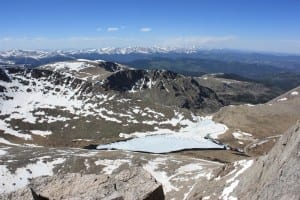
[{"x": 134, "y": 183}]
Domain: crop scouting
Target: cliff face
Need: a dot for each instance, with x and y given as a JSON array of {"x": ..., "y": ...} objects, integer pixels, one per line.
[{"x": 276, "y": 175}]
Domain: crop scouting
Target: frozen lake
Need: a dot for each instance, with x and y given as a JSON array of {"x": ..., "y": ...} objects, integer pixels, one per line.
[
  {"x": 190, "y": 136},
  {"x": 161, "y": 144}
]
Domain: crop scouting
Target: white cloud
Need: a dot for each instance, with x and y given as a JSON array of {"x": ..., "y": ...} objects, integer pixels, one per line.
[
  {"x": 145, "y": 29},
  {"x": 112, "y": 29}
]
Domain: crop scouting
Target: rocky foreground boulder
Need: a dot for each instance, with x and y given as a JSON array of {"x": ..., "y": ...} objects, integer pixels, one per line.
[{"x": 130, "y": 184}]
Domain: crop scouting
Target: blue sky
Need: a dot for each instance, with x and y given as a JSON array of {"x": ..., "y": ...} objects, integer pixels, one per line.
[{"x": 262, "y": 25}]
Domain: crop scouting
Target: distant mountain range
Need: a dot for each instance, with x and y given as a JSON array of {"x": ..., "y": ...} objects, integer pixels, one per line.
[{"x": 127, "y": 54}]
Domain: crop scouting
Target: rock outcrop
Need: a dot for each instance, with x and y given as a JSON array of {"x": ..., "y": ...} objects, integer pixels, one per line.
[
  {"x": 277, "y": 175},
  {"x": 4, "y": 76},
  {"x": 166, "y": 88},
  {"x": 272, "y": 176},
  {"x": 134, "y": 183}
]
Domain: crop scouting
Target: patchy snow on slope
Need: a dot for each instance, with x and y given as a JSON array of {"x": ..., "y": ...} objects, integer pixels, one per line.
[
  {"x": 233, "y": 183},
  {"x": 111, "y": 165},
  {"x": 41, "y": 133},
  {"x": 228, "y": 190},
  {"x": 2, "y": 152},
  {"x": 4, "y": 141},
  {"x": 282, "y": 99},
  {"x": 245, "y": 164},
  {"x": 189, "y": 167},
  {"x": 242, "y": 135},
  {"x": 11, "y": 181},
  {"x": 160, "y": 176},
  {"x": 196, "y": 129},
  {"x": 28, "y": 102},
  {"x": 175, "y": 174},
  {"x": 259, "y": 143},
  {"x": 7, "y": 130},
  {"x": 294, "y": 93},
  {"x": 150, "y": 111}
]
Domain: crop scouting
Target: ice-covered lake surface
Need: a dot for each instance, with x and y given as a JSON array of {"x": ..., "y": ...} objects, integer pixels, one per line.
[{"x": 191, "y": 136}]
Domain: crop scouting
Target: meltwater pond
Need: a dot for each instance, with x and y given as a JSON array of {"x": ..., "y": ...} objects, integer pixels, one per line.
[{"x": 191, "y": 135}]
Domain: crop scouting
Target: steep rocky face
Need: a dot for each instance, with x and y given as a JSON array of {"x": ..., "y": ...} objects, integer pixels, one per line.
[
  {"x": 124, "y": 185},
  {"x": 276, "y": 175},
  {"x": 110, "y": 66},
  {"x": 272, "y": 176},
  {"x": 165, "y": 87},
  {"x": 124, "y": 80}
]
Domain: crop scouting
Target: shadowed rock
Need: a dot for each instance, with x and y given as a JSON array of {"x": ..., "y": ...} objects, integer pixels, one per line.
[{"x": 4, "y": 76}]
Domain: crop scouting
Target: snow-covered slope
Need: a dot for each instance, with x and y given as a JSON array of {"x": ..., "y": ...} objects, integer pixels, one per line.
[{"x": 63, "y": 102}]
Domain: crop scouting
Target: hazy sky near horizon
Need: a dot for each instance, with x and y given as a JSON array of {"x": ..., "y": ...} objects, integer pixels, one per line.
[{"x": 262, "y": 25}]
